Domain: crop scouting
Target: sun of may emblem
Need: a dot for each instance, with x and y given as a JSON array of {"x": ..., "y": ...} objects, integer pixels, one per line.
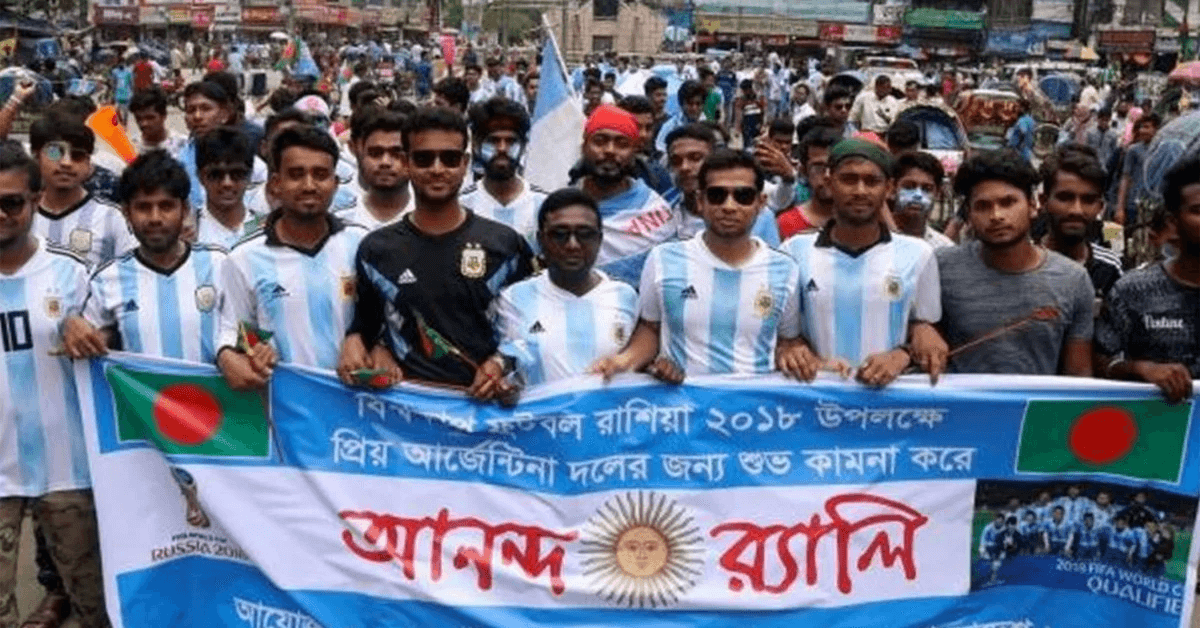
[{"x": 642, "y": 549}]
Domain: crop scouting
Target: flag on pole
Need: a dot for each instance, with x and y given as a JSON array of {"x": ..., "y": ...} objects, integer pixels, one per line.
[{"x": 557, "y": 131}]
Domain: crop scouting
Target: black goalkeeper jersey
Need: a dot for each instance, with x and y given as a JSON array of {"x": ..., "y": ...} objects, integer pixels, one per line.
[{"x": 427, "y": 296}]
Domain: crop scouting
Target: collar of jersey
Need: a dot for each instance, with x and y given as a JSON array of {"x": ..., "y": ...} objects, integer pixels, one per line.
[
  {"x": 335, "y": 225},
  {"x": 70, "y": 210},
  {"x": 166, "y": 272},
  {"x": 825, "y": 239}
]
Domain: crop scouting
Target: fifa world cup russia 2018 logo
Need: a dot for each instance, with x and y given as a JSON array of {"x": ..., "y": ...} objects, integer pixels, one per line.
[{"x": 195, "y": 514}]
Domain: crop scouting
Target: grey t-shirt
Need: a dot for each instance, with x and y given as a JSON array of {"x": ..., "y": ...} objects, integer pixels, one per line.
[{"x": 977, "y": 300}]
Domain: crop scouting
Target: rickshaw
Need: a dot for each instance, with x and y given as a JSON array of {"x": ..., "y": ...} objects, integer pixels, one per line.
[{"x": 986, "y": 115}]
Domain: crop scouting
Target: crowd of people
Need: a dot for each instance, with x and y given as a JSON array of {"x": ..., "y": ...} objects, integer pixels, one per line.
[
  {"x": 396, "y": 239},
  {"x": 1073, "y": 525}
]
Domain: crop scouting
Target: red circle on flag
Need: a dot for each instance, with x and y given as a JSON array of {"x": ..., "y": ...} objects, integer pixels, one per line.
[
  {"x": 187, "y": 414},
  {"x": 1103, "y": 435}
]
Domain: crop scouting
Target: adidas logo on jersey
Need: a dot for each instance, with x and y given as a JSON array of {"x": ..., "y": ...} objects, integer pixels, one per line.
[
  {"x": 406, "y": 277},
  {"x": 812, "y": 286},
  {"x": 689, "y": 293},
  {"x": 537, "y": 328},
  {"x": 275, "y": 291},
  {"x": 130, "y": 306}
]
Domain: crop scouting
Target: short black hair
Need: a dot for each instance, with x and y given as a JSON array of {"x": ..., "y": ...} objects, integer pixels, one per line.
[
  {"x": 903, "y": 134},
  {"x": 812, "y": 122},
  {"x": 835, "y": 93},
  {"x": 818, "y": 137},
  {"x": 226, "y": 80},
  {"x": 76, "y": 106},
  {"x": 1181, "y": 175},
  {"x": 693, "y": 131},
  {"x": 224, "y": 145},
  {"x": 728, "y": 159},
  {"x": 155, "y": 170},
  {"x": 718, "y": 131},
  {"x": 434, "y": 119},
  {"x": 637, "y": 105},
  {"x": 920, "y": 161},
  {"x": 14, "y": 157},
  {"x": 704, "y": 72},
  {"x": 485, "y": 113},
  {"x": 567, "y": 197},
  {"x": 210, "y": 90},
  {"x": 1079, "y": 160},
  {"x": 61, "y": 127},
  {"x": 152, "y": 97},
  {"x": 304, "y": 136},
  {"x": 782, "y": 125},
  {"x": 369, "y": 120},
  {"x": 883, "y": 79},
  {"x": 591, "y": 84},
  {"x": 610, "y": 75},
  {"x": 653, "y": 84},
  {"x": 357, "y": 89},
  {"x": 455, "y": 90},
  {"x": 996, "y": 165},
  {"x": 689, "y": 91},
  {"x": 290, "y": 114},
  {"x": 1151, "y": 118}
]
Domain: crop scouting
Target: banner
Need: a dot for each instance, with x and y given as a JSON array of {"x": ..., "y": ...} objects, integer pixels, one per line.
[{"x": 987, "y": 501}]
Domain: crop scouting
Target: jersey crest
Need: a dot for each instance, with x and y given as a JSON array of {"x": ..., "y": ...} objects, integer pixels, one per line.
[
  {"x": 764, "y": 302},
  {"x": 206, "y": 298},
  {"x": 53, "y": 307},
  {"x": 474, "y": 261},
  {"x": 80, "y": 241},
  {"x": 348, "y": 287},
  {"x": 891, "y": 287}
]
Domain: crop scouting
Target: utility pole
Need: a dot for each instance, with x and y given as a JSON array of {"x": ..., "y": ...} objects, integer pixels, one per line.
[{"x": 565, "y": 44}]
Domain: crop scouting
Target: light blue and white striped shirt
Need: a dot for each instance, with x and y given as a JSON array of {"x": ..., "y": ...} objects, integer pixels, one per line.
[
  {"x": 554, "y": 334},
  {"x": 92, "y": 229},
  {"x": 306, "y": 298},
  {"x": 635, "y": 221},
  {"x": 172, "y": 314},
  {"x": 42, "y": 448},
  {"x": 856, "y": 304},
  {"x": 521, "y": 214},
  {"x": 716, "y": 318}
]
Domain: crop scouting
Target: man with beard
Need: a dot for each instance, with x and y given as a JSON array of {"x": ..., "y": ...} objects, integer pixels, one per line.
[
  {"x": 425, "y": 284},
  {"x": 377, "y": 139},
  {"x": 67, "y": 215},
  {"x": 918, "y": 186},
  {"x": 295, "y": 277},
  {"x": 687, "y": 148},
  {"x": 1073, "y": 195},
  {"x": 258, "y": 198},
  {"x": 225, "y": 158},
  {"x": 635, "y": 217},
  {"x": 818, "y": 209},
  {"x": 723, "y": 301},
  {"x": 1025, "y": 309},
  {"x": 500, "y": 132},
  {"x": 558, "y": 323},
  {"x": 869, "y": 298},
  {"x": 162, "y": 298}
]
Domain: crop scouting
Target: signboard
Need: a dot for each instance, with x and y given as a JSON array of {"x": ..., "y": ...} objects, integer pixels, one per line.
[
  {"x": 987, "y": 501},
  {"x": 1126, "y": 40},
  {"x": 261, "y": 15},
  {"x": 202, "y": 16},
  {"x": 850, "y": 11},
  {"x": 859, "y": 34},
  {"x": 935, "y": 18},
  {"x": 755, "y": 25},
  {"x": 116, "y": 15},
  {"x": 889, "y": 34},
  {"x": 889, "y": 14}
]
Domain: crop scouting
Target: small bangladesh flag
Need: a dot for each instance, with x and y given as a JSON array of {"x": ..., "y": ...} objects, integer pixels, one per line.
[
  {"x": 1142, "y": 439},
  {"x": 198, "y": 415}
]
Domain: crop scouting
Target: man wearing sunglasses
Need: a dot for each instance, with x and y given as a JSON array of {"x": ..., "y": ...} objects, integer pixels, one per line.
[
  {"x": 43, "y": 469},
  {"x": 557, "y": 324},
  {"x": 838, "y": 102},
  {"x": 225, "y": 159},
  {"x": 500, "y": 132},
  {"x": 723, "y": 301},
  {"x": 636, "y": 218},
  {"x": 378, "y": 141},
  {"x": 425, "y": 283},
  {"x": 295, "y": 277},
  {"x": 162, "y": 298},
  {"x": 68, "y": 216},
  {"x": 687, "y": 148},
  {"x": 869, "y": 298}
]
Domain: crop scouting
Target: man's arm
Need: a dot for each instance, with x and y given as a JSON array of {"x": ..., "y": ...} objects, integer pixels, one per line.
[
  {"x": 1077, "y": 358},
  {"x": 642, "y": 347},
  {"x": 1122, "y": 192}
]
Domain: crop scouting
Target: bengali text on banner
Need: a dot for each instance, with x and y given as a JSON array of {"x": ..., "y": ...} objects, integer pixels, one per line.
[{"x": 998, "y": 502}]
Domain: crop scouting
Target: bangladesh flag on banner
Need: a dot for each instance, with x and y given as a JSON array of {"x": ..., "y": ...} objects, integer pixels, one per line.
[
  {"x": 199, "y": 415},
  {"x": 1136, "y": 439}
]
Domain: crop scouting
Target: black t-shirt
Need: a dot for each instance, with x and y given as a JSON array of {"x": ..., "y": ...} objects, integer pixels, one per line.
[
  {"x": 427, "y": 296},
  {"x": 1150, "y": 316},
  {"x": 1104, "y": 269}
]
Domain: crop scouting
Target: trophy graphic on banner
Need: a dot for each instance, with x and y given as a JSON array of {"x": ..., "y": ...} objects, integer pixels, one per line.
[{"x": 196, "y": 516}]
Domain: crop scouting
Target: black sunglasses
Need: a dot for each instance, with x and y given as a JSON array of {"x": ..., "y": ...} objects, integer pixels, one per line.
[
  {"x": 449, "y": 158},
  {"x": 741, "y": 195},
  {"x": 13, "y": 203},
  {"x": 582, "y": 235},
  {"x": 217, "y": 175}
]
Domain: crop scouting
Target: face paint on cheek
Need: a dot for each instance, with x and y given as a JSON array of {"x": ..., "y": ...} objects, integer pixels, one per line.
[{"x": 915, "y": 197}]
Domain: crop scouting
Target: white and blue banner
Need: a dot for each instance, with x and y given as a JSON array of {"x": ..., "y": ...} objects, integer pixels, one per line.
[{"x": 994, "y": 501}]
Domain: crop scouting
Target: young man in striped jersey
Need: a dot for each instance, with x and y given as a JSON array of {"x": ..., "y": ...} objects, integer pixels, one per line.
[
  {"x": 67, "y": 215},
  {"x": 557, "y": 324},
  {"x": 225, "y": 160},
  {"x": 721, "y": 301},
  {"x": 425, "y": 283},
  {"x": 294, "y": 278},
  {"x": 868, "y": 297},
  {"x": 44, "y": 460},
  {"x": 1073, "y": 197},
  {"x": 382, "y": 176},
  {"x": 500, "y": 132},
  {"x": 162, "y": 298}
]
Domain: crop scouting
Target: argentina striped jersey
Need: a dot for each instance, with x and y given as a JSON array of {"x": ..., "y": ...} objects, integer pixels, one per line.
[
  {"x": 635, "y": 221},
  {"x": 91, "y": 229}
]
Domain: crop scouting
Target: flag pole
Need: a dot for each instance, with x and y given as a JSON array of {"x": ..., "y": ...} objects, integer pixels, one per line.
[{"x": 562, "y": 61}]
